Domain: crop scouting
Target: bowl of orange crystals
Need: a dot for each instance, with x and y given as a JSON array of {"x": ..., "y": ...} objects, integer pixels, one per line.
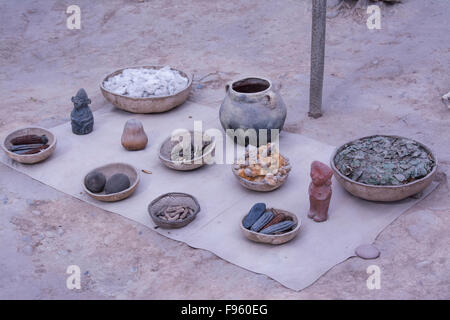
[{"x": 262, "y": 169}]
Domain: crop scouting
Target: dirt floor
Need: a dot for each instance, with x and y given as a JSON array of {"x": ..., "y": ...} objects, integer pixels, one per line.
[{"x": 376, "y": 81}]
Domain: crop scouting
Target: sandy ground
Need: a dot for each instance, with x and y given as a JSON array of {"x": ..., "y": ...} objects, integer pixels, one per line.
[{"x": 376, "y": 81}]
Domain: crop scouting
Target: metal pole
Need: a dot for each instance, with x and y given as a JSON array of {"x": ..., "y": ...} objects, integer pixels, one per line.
[{"x": 319, "y": 11}]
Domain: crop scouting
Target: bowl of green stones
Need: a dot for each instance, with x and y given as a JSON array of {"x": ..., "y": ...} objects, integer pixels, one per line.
[{"x": 384, "y": 167}]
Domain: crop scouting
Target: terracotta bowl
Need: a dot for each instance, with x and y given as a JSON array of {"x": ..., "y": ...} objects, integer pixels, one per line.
[
  {"x": 273, "y": 238},
  {"x": 185, "y": 165},
  {"x": 146, "y": 105},
  {"x": 109, "y": 170},
  {"x": 383, "y": 193},
  {"x": 173, "y": 199},
  {"x": 260, "y": 185},
  {"x": 30, "y": 158}
]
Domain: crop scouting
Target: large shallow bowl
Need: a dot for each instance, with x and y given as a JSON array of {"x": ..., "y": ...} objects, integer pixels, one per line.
[
  {"x": 383, "y": 193},
  {"x": 146, "y": 105},
  {"x": 30, "y": 158},
  {"x": 273, "y": 238},
  {"x": 109, "y": 170},
  {"x": 173, "y": 199},
  {"x": 184, "y": 165}
]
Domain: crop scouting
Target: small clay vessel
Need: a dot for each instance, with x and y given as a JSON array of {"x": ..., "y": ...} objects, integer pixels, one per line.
[
  {"x": 252, "y": 104},
  {"x": 319, "y": 191},
  {"x": 133, "y": 136}
]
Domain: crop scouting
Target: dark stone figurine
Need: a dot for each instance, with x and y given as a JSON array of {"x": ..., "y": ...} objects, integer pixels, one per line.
[
  {"x": 319, "y": 191},
  {"x": 81, "y": 115}
]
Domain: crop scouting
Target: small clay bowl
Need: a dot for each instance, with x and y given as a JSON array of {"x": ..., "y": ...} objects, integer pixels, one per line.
[
  {"x": 109, "y": 170},
  {"x": 154, "y": 104},
  {"x": 273, "y": 238},
  {"x": 30, "y": 158},
  {"x": 184, "y": 165},
  {"x": 383, "y": 193},
  {"x": 173, "y": 199},
  {"x": 260, "y": 186}
]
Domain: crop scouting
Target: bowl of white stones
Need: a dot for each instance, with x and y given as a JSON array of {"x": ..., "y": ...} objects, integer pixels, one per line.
[{"x": 147, "y": 89}]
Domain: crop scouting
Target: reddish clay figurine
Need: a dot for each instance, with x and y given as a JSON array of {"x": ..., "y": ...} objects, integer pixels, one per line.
[{"x": 319, "y": 191}]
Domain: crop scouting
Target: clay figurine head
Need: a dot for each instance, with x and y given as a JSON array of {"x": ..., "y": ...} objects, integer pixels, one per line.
[
  {"x": 81, "y": 99},
  {"x": 320, "y": 173}
]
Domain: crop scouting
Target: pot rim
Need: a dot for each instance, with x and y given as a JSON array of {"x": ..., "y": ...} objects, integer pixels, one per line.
[{"x": 269, "y": 88}]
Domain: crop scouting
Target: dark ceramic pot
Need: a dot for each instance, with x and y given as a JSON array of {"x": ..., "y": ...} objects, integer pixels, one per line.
[{"x": 252, "y": 103}]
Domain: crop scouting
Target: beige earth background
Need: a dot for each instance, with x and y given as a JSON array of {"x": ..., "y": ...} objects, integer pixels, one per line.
[{"x": 376, "y": 81}]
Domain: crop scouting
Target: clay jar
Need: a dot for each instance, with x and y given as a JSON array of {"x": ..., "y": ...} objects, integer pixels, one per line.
[
  {"x": 133, "y": 136},
  {"x": 252, "y": 103}
]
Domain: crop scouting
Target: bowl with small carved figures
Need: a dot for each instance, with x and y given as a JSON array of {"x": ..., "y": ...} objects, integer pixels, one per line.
[
  {"x": 267, "y": 172},
  {"x": 29, "y": 145},
  {"x": 171, "y": 151},
  {"x": 273, "y": 226},
  {"x": 173, "y": 210},
  {"x": 147, "y": 95},
  {"x": 384, "y": 167}
]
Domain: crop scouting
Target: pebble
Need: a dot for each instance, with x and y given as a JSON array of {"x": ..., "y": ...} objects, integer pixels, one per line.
[
  {"x": 28, "y": 250},
  {"x": 95, "y": 181},
  {"x": 117, "y": 183},
  {"x": 367, "y": 251},
  {"x": 63, "y": 252}
]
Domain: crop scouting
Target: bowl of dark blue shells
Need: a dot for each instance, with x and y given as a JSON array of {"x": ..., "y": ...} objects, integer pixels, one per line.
[
  {"x": 384, "y": 167},
  {"x": 111, "y": 182},
  {"x": 269, "y": 225}
]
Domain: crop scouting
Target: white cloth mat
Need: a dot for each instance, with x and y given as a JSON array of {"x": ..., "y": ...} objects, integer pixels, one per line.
[{"x": 296, "y": 264}]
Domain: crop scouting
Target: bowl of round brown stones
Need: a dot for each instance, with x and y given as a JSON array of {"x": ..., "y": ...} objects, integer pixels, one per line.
[
  {"x": 173, "y": 210},
  {"x": 111, "y": 182},
  {"x": 269, "y": 225},
  {"x": 268, "y": 170},
  {"x": 383, "y": 167},
  {"x": 29, "y": 145}
]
